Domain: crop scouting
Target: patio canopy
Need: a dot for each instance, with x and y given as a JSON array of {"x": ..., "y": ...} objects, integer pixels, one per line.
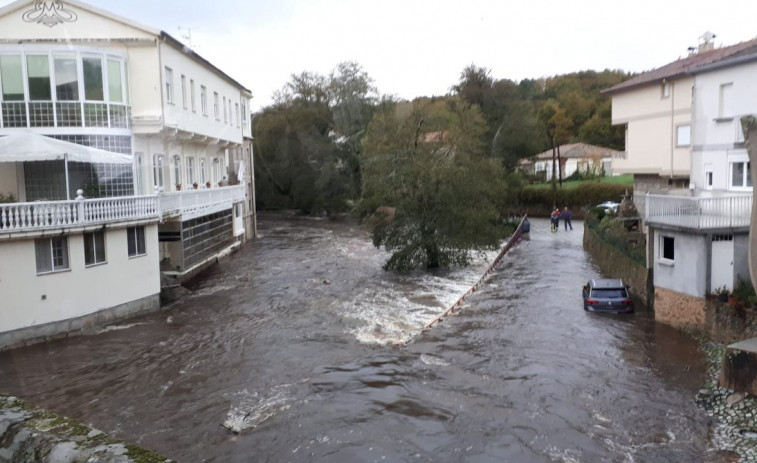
[{"x": 29, "y": 146}]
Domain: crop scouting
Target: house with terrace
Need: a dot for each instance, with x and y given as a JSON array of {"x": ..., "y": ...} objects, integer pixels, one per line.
[
  {"x": 697, "y": 232},
  {"x": 575, "y": 157},
  {"x": 125, "y": 158}
]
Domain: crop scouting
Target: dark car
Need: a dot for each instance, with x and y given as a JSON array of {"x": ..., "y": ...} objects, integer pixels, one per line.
[{"x": 607, "y": 295}]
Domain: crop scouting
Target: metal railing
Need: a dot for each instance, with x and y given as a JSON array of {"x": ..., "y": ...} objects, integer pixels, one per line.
[
  {"x": 46, "y": 215},
  {"x": 25, "y": 114},
  {"x": 195, "y": 203},
  {"x": 711, "y": 212}
]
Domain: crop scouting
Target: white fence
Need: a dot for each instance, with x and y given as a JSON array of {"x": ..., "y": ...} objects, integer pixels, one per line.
[
  {"x": 44, "y": 215},
  {"x": 699, "y": 212},
  {"x": 194, "y": 203}
]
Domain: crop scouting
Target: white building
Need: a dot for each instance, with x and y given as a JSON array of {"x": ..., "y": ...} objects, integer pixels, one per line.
[
  {"x": 698, "y": 236},
  {"x": 574, "y": 157},
  {"x": 182, "y": 197}
]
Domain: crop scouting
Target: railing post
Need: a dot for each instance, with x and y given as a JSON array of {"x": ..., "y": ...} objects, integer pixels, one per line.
[{"x": 80, "y": 218}]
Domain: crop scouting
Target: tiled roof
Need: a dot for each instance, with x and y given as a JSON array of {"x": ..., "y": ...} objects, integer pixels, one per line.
[
  {"x": 684, "y": 65},
  {"x": 580, "y": 150}
]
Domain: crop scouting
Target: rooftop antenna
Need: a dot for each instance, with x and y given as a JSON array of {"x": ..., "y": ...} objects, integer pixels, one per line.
[{"x": 707, "y": 42}]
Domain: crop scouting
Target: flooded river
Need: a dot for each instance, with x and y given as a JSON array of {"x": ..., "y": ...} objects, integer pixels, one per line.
[{"x": 289, "y": 342}]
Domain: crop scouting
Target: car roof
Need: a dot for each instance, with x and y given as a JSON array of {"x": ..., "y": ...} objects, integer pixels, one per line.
[{"x": 606, "y": 283}]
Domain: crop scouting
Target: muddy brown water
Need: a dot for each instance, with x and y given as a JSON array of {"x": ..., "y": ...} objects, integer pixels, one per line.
[{"x": 289, "y": 343}]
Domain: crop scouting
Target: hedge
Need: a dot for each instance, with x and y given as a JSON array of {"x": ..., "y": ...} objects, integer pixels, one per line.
[{"x": 537, "y": 201}]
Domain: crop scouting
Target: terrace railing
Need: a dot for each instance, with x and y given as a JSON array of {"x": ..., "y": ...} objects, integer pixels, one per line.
[
  {"x": 699, "y": 213},
  {"x": 47, "y": 215},
  {"x": 195, "y": 203}
]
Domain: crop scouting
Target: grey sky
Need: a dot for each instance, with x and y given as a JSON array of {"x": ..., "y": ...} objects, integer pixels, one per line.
[{"x": 418, "y": 47}]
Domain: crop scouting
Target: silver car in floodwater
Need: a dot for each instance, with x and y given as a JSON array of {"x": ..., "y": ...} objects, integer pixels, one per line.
[{"x": 607, "y": 295}]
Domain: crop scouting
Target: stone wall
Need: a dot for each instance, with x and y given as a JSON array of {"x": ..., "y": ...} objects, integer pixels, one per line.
[
  {"x": 32, "y": 435},
  {"x": 728, "y": 324},
  {"x": 678, "y": 309},
  {"x": 615, "y": 264}
]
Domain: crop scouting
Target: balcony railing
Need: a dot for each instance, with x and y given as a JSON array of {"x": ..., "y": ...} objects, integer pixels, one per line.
[
  {"x": 699, "y": 213},
  {"x": 47, "y": 215},
  {"x": 195, "y": 203},
  {"x": 24, "y": 114}
]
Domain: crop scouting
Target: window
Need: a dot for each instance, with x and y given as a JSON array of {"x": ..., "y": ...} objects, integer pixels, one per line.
[
  {"x": 66, "y": 78},
  {"x": 135, "y": 237},
  {"x": 157, "y": 171},
  {"x": 665, "y": 90},
  {"x": 683, "y": 135},
  {"x": 169, "y": 85},
  {"x": 708, "y": 176},
  {"x": 115, "y": 83},
  {"x": 177, "y": 170},
  {"x": 192, "y": 94},
  {"x": 191, "y": 170},
  {"x": 51, "y": 254},
  {"x": 126, "y": 81},
  {"x": 138, "y": 173},
  {"x": 741, "y": 175},
  {"x": 12, "y": 78},
  {"x": 236, "y": 112},
  {"x": 726, "y": 105},
  {"x": 230, "y": 119},
  {"x": 204, "y": 100},
  {"x": 244, "y": 112},
  {"x": 215, "y": 106},
  {"x": 184, "y": 91},
  {"x": 667, "y": 249},
  {"x": 38, "y": 77},
  {"x": 225, "y": 120},
  {"x": 203, "y": 179},
  {"x": 94, "y": 248},
  {"x": 92, "y": 69}
]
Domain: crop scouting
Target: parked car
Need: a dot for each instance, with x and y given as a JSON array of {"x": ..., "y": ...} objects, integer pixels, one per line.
[
  {"x": 609, "y": 206},
  {"x": 607, "y": 295}
]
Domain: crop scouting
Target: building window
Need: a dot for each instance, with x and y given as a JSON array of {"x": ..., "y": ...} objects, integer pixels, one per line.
[
  {"x": 138, "y": 173},
  {"x": 184, "y": 91},
  {"x": 683, "y": 135},
  {"x": 665, "y": 90},
  {"x": 169, "y": 84},
  {"x": 708, "y": 176},
  {"x": 157, "y": 171},
  {"x": 667, "y": 249},
  {"x": 191, "y": 170},
  {"x": 51, "y": 254},
  {"x": 115, "y": 82},
  {"x": 244, "y": 112},
  {"x": 94, "y": 248},
  {"x": 177, "y": 171},
  {"x": 66, "y": 78},
  {"x": 204, "y": 100},
  {"x": 725, "y": 108},
  {"x": 92, "y": 70},
  {"x": 12, "y": 78},
  {"x": 224, "y": 111},
  {"x": 135, "y": 237},
  {"x": 741, "y": 175},
  {"x": 215, "y": 106},
  {"x": 203, "y": 178},
  {"x": 230, "y": 118},
  {"x": 38, "y": 77},
  {"x": 192, "y": 95},
  {"x": 236, "y": 113}
]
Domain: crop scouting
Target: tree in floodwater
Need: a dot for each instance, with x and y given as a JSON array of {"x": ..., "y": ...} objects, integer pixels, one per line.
[{"x": 429, "y": 183}]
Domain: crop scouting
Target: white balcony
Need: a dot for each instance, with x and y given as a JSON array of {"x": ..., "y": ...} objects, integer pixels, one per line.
[
  {"x": 711, "y": 212},
  {"x": 39, "y": 216},
  {"x": 195, "y": 203}
]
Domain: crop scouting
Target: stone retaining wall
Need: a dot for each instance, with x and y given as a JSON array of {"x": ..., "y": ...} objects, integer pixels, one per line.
[
  {"x": 615, "y": 264},
  {"x": 31, "y": 435},
  {"x": 678, "y": 309}
]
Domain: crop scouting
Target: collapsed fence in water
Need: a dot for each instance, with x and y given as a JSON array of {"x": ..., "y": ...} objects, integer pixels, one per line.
[{"x": 524, "y": 224}]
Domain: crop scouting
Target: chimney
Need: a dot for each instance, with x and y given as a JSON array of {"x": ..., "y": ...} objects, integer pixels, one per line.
[{"x": 706, "y": 42}]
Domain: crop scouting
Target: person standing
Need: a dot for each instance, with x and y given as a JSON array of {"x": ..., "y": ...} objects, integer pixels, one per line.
[
  {"x": 567, "y": 214},
  {"x": 555, "y": 218}
]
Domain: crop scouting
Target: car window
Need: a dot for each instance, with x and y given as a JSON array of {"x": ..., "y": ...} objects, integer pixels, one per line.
[{"x": 610, "y": 293}]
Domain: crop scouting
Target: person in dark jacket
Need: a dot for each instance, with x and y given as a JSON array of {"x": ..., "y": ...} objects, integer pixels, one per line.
[
  {"x": 555, "y": 219},
  {"x": 567, "y": 214}
]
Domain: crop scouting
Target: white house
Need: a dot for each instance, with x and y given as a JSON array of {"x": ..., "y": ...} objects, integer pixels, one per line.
[
  {"x": 698, "y": 236},
  {"x": 574, "y": 157},
  {"x": 166, "y": 179}
]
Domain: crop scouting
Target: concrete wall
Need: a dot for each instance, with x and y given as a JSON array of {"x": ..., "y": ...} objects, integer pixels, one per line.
[
  {"x": 678, "y": 309},
  {"x": 30, "y": 300},
  {"x": 614, "y": 263},
  {"x": 687, "y": 274},
  {"x": 651, "y": 121}
]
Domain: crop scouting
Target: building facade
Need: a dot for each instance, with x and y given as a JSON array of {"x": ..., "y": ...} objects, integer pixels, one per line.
[{"x": 86, "y": 228}]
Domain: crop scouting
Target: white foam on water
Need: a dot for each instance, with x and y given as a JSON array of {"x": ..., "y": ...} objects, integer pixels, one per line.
[
  {"x": 119, "y": 327},
  {"x": 253, "y": 409},
  {"x": 395, "y": 312},
  {"x": 432, "y": 360},
  {"x": 212, "y": 290}
]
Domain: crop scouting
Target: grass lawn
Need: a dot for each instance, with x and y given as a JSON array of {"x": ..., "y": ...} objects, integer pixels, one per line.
[{"x": 618, "y": 180}]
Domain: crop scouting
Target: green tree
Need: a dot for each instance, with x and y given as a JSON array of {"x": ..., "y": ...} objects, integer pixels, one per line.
[{"x": 426, "y": 160}]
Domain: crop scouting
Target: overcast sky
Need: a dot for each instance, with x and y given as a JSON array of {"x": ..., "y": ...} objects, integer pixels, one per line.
[{"x": 416, "y": 47}]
